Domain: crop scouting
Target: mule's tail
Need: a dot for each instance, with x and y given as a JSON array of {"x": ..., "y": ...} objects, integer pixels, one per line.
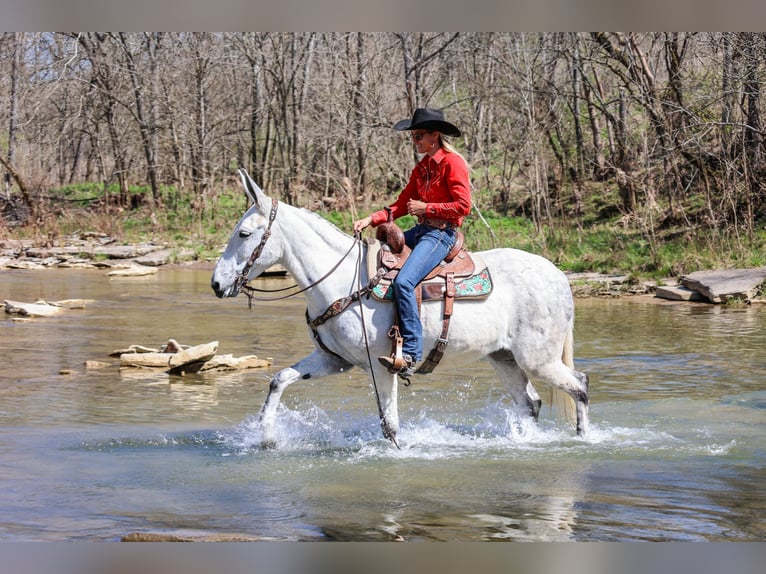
[{"x": 562, "y": 401}]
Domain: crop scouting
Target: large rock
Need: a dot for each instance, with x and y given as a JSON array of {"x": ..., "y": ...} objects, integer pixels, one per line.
[
  {"x": 125, "y": 251},
  {"x": 212, "y": 537},
  {"x": 231, "y": 363},
  {"x": 108, "y": 251},
  {"x": 43, "y": 308},
  {"x": 677, "y": 293},
  {"x": 177, "y": 359},
  {"x": 720, "y": 286},
  {"x": 133, "y": 271},
  {"x": 31, "y": 309},
  {"x": 165, "y": 256},
  {"x": 44, "y": 252}
]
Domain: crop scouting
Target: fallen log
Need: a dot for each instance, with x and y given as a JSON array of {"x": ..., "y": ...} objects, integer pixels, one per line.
[
  {"x": 196, "y": 354},
  {"x": 70, "y": 303},
  {"x": 133, "y": 349}
]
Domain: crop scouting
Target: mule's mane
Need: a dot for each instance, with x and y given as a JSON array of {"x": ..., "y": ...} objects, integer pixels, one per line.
[{"x": 318, "y": 223}]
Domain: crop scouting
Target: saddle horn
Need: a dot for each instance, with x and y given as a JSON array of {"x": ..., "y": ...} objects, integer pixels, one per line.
[{"x": 390, "y": 233}]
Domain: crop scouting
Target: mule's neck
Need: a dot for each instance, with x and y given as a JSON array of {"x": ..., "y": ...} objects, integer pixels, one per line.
[{"x": 311, "y": 247}]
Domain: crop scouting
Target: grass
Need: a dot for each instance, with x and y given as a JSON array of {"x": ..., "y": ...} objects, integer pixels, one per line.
[
  {"x": 608, "y": 246},
  {"x": 595, "y": 243}
]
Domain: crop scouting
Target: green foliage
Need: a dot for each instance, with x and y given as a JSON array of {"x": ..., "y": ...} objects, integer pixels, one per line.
[
  {"x": 91, "y": 192},
  {"x": 80, "y": 191},
  {"x": 601, "y": 240},
  {"x": 339, "y": 219},
  {"x": 604, "y": 247}
]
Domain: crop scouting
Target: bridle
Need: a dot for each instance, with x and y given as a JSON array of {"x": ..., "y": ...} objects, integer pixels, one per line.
[
  {"x": 243, "y": 277},
  {"x": 241, "y": 282}
]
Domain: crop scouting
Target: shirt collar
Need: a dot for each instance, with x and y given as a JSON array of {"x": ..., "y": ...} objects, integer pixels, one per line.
[{"x": 437, "y": 157}]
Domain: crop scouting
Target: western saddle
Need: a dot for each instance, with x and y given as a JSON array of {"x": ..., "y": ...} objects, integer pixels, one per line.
[{"x": 439, "y": 283}]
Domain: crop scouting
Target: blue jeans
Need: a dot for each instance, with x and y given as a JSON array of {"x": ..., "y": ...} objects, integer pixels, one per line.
[{"x": 429, "y": 247}]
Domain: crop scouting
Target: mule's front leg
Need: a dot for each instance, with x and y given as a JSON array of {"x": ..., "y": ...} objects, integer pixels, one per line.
[
  {"x": 386, "y": 390},
  {"x": 317, "y": 364},
  {"x": 268, "y": 414}
]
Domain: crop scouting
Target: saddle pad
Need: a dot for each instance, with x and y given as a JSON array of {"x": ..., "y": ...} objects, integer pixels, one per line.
[{"x": 477, "y": 286}]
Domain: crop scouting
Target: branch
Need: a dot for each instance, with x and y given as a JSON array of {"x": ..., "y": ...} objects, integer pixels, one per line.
[{"x": 15, "y": 175}]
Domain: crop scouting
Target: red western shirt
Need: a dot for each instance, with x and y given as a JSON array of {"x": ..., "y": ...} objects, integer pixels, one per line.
[{"x": 441, "y": 181}]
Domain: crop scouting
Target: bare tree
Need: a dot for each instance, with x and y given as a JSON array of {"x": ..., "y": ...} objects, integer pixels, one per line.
[
  {"x": 671, "y": 120},
  {"x": 418, "y": 51},
  {"x": 109, "y": 89},
  {"x": 144, "y": 97},
  {"x": 14, "y": 46}
]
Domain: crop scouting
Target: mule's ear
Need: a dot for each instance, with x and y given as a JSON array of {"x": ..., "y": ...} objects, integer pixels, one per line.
[{"x": 254, "y": 193}]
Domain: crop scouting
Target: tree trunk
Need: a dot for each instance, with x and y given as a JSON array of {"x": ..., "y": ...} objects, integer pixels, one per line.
[
  {"x": 359, "y": 115},
  {"x": 18, "y": 39},
  {"x": 17, "y": 177},
  {"x": 752, "y": 136},
  {"x": 624, "y": 165},
  {"x": 145, "y": 127},
  {"x": 579, "y": 169}
]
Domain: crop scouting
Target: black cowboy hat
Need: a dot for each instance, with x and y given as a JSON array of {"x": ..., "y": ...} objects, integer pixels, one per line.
[{"x": 428, "y": 119}]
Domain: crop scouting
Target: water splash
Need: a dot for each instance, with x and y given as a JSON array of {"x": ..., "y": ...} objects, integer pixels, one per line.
[{"x": 494, "y": 431}]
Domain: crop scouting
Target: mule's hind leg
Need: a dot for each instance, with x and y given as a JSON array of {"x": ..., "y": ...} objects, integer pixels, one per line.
[
  {"x": 516, "y": 380},
  {"x": 317, "y": 364},
  {"x": 574, "y": 383}
]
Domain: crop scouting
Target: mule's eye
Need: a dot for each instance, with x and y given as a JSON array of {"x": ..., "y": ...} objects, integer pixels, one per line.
[{"x": 244, "y": 233}]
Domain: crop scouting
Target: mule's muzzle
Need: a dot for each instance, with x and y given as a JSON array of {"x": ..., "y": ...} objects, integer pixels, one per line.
[{"x": 222, "y": 292}]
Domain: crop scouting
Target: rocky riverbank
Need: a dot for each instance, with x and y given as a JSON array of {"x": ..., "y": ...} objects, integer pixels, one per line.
[
  {"x": 90, "y": 251},
  {"x": 707, "y": 286},
  {"x": 95, "y": 251}
]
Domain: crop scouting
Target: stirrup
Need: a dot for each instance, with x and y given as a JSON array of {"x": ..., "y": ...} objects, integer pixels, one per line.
[{"x": 403, "y": 365}]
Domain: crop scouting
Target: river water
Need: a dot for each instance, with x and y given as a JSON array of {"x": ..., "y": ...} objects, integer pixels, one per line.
[{"x": 676, "y": 453}]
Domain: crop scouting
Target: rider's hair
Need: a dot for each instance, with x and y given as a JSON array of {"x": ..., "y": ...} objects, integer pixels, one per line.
[{"x": 449, "y": 148}]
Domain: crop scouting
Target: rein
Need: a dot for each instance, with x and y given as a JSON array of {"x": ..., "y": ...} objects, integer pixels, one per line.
[
  {"x": 335, "y": 309},
  {"x": 248, "y": 290},
  {"x": 360, "y": 291}
]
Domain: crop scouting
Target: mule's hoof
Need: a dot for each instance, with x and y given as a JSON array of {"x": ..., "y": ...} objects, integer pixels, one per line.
[
  {"x": 389, "y": 434},
  {"x": 534, "y": 409}
]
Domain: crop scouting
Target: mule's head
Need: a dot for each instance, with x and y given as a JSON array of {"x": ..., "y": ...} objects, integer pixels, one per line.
[{"x": 228, "y": 275}]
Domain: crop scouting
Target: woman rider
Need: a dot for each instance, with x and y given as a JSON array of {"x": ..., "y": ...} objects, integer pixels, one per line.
[{"x": 438, "y": 194}]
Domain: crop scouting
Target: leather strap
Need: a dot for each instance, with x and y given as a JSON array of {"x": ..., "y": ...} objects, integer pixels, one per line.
[
  {"x": 340, "y": 305},
  {"x": 437, "y": 222},
  {"x": 437, "y": 352}
]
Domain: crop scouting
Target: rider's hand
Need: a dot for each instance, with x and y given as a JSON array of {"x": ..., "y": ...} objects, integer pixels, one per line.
[
  {"x": 360, "y": 224},
  {"x": 416, "y": 207}
]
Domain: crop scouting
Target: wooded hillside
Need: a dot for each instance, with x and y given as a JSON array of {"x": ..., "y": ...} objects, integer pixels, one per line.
[{"x": 657, "y": 127}]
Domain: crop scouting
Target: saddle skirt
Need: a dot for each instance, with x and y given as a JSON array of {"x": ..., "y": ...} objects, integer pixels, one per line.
[{"x": 471, "y": 275}]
